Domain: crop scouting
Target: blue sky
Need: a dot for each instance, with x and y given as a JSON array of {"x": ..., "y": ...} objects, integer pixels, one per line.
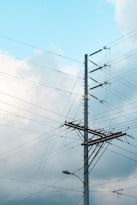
[
  {"x": 42, "y": 47},
  {"x": 76, "y": 27}
]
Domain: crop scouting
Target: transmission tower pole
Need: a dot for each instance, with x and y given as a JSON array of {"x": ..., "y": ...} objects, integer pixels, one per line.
[
  {"x": 86, "y": 172},
  {"x": 101, "y": 136}
]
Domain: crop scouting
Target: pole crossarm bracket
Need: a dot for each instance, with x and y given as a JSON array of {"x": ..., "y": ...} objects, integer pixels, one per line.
[
  {"x": 78, "y": 127},
  {"x": 103, "y": 137}
]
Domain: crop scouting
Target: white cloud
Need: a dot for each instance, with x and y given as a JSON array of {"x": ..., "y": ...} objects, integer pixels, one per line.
[
  {"x": 33, "y": 101},
  {"x": 125, "y": 13}
]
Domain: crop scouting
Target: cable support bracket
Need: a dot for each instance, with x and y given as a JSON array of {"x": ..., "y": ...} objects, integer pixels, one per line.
[{"x": 102, "y": 136}]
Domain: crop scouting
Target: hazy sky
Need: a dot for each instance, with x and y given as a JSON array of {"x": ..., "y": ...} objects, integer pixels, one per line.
[{"x": 42, "y": 47}]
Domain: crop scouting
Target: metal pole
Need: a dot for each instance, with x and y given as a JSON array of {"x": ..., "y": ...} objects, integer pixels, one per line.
[{"x": 86, "y": 177}]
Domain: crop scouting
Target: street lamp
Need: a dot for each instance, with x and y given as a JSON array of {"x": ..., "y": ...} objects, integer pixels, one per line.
[{"x": 71, "y": 173}]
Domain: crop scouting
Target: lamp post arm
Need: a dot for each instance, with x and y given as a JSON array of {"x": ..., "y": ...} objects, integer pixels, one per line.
[
  {"x": 71, "y": 173},
  {"x": 78, "y": 177}
]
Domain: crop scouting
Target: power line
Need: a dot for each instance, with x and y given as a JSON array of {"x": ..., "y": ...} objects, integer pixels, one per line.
[
  {"x": 123, "y": 38},
  {"x": 35, "y": 105},
  {"x": 44, "y": 85},
  {"x": 36, "y": 47},
  {"x": 40, "y": 65}
]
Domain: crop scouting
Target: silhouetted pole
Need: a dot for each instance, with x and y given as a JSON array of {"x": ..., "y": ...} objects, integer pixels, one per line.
[{"x": 86, "y": 172}]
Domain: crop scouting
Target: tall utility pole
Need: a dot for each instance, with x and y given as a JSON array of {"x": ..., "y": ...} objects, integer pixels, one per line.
[
  {"x": 86, "y": 177},
  {"x": 101, "y": 136}
]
